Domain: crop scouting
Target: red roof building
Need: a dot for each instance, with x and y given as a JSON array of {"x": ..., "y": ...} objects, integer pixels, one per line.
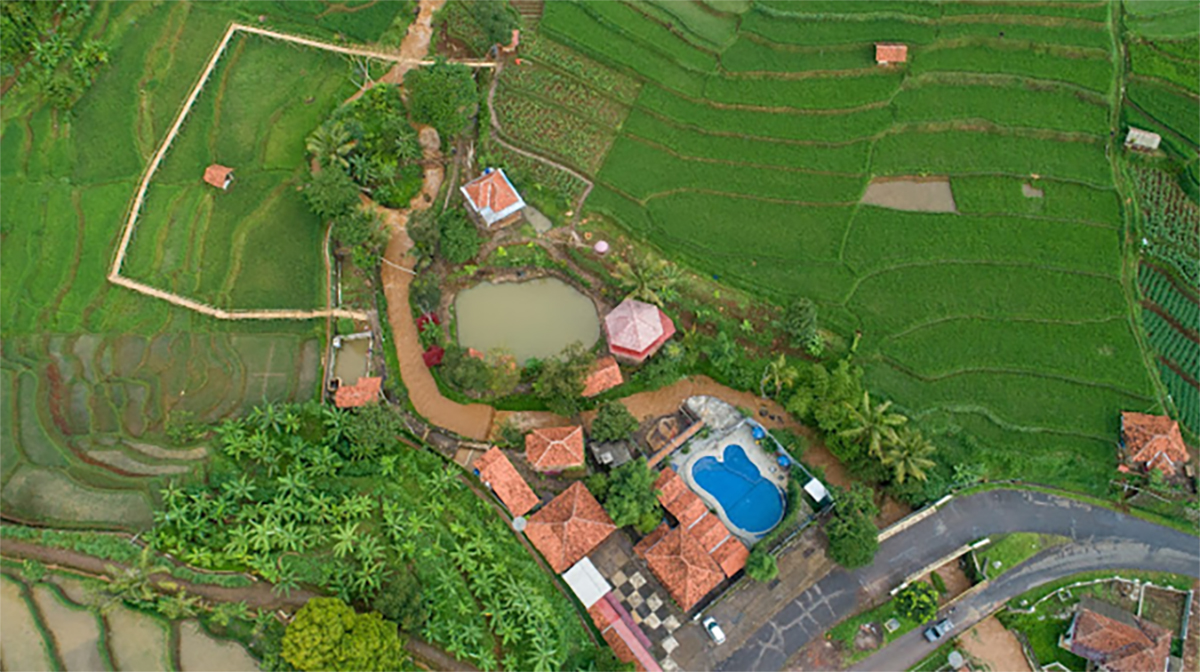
[
  {"x": 1153, "y": 442},
  {"x": 365, "y": 391},
  {"x": 636, "y": 330},
  {"x": 887, "y": 53},
  {"x": 605, "y": 375},
  {"x": 621, "y": 636},
  {"x": 501, "y": 476},
  {"x": 492, "y": 199},
  {"x": 218, "y": 176},
  {"x": 686, "y": 578},
  {"x": 569, "y": 527},
  {"x": 1117, "y": 641},
  {"x": 555, "y": 448}
]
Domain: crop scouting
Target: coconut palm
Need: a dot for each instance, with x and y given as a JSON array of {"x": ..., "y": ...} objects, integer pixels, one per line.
[
  {"x": 874, "y": 425},
  {"x": 777, "y": 375},
  {"x": 344, "y": 536},
  {"x": 648, "y": 279},
  {"x": 909, "y": 455},
  {"x": 330, "y": 144}
]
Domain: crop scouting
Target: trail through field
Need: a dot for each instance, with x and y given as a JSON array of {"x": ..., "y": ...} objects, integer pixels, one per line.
[{"x": 473, "y": 420}]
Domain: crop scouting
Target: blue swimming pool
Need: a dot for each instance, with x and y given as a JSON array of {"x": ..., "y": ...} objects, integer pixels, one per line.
[{"x": 750, "y": 501}]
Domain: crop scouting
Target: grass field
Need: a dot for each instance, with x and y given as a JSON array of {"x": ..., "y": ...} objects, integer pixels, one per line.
[
  {"x": 752, "y": 139},
  {"x": 91, "y": 371}
]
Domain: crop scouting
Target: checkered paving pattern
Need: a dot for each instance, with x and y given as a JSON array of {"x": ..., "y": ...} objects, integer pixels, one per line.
[{"x": 651, "y": 609}]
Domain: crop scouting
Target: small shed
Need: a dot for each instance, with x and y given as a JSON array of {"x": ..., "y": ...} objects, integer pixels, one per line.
[
  {"x": 887, "y": 53},
  {"x": 611, "y": 454},
  {"x": 588, "y": 584},
  {"x": 1142, "y": 141},
  {"x": 364, "y": 392},
  {"x": 492, "y": 199},
  {"x": 218, "y": 176}
]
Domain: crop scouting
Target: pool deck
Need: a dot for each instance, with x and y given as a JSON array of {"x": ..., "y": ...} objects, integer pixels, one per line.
[{"x": 714, "y": 446}]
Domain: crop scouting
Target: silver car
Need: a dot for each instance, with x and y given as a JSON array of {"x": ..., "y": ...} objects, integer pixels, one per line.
[{"x": 714, "y": 630}]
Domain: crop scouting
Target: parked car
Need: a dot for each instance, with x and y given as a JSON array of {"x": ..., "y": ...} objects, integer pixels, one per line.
[
  {"x": 714, "y": 630},
  {"x": 937, "y": 630}
]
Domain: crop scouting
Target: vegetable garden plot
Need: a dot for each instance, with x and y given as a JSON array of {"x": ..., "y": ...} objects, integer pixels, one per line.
[
  {"x": 954, "y": 151},
  {"x": 1160, "y": 289},
  {"x": 1015, "y": 106},
  {"x": 989, "y": 194},
  {"x": 1175, "y": 345},
  {"x": 591, "y": 73},
  {"x": 567, "y": 92},
  {"x": 1101, "y": 352},
  {"x": 748, "y": 54},
  {"x": 1184, "y": 394},
  {"x": 642, "y": 171},
  {"x": 1091, "y": 70},
  {"x": 532, "y": 123},
  {"x": 881, "y": 238}
]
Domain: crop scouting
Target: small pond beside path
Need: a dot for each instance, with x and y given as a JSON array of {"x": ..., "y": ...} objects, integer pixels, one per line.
[{"x": 534, "y": 318}]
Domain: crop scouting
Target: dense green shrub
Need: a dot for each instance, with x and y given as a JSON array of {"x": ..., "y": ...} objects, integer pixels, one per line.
[
  {"x": 441, "y": 95},
  {"x": 371, "y": 430},
  {"x": 460, "y": 239},
  {"x": 401, "y": 600},
  {"x": 327, "y": 634},
  {"x": 331, "y": 193},
  {"x": 613, "y": 422},
  {"x": 761, "y": 565},
  {"x": 918, "y": 601},
  {"x": 560, "y": 379},
  {"x": 631, "y": 498},
  {"x": 853, "y": 537}
]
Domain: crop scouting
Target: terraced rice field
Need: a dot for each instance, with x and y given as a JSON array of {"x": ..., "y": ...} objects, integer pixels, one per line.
[
  {"x": 53, "y": 625},
  {"x": 756, "y": 128},
  {"x": 90, "y": 372}
]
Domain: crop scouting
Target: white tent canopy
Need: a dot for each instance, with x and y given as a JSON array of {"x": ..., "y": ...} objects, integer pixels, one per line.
[
  {"x": 587, "y": 582},
  {"x": 816, "y": 490}
]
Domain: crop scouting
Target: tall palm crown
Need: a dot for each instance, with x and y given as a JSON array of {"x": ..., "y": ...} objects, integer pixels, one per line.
[
  {"x": 873, "y": 424},
  {"x": 910, "y": 455}
]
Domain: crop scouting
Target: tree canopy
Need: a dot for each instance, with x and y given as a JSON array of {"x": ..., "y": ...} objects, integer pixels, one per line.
[
  {"x": 918, "y": 601},
  {"x": 853, "y": 537},
  {"x": 761, "y": 565},
  {"x": 613, "y": 422},
  {"x": 631, "y": 498},
  {"x": 459, "y": 240},
  {"x": 560, "y": 381},
  {"x": 441, "y": 95},
  {"x": 327, "y": 634}
]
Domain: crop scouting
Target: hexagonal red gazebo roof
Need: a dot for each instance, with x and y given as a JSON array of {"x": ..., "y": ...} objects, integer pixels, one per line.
[{"x": 636, "y": 330}]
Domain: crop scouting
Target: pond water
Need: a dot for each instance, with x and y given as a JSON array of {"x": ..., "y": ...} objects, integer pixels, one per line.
[
  {"x": 535, "y": 318},
  {"x": 350, "y": 360}
]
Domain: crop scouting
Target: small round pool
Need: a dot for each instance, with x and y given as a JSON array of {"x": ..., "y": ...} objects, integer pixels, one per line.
[{"x": 749, "y": 500}]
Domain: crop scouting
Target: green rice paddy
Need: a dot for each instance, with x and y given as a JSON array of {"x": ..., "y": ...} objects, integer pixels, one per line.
[{"x": 1004, "y": 328}]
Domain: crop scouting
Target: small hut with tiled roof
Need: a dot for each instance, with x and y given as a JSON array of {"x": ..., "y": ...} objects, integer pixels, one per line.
[
  {"x": 605, "y": 374},
  {"x": 364, "y": 392},
  {"x": 569, "y": 527},
  {"x": 496, "y": 472},
  {"x": 555, "y": 448},
  {"x": 1153, "y": 442},
  {"x": 492, "y": 199},
  {"x": 1115, "y": 640},
  {"x": 636, "y": 330},
  {"x": 889, "y": 53},
  {"x": 218, "y": 176}
]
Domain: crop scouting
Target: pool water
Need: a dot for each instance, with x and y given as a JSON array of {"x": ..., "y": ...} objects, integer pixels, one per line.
[{"x": 750, "y": 501}]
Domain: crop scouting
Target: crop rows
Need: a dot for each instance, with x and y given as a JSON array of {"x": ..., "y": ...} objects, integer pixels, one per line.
[
  {"x": 993, "y": 194},
  {"x": 1092, "y": 72},
  {"x": 553, "y": 130},
  {"x": 824, "y": 128},
  {"x": 712, "y": 30},
  {"x": 1185, "y": 395},
  {"x": 566, "y": 92},
  {"x": 641, "y": 171},
  {"x": 623, "y": 19},
  {"x": 1172, "y": 223},
  {"x": 1057, "y": 109},
  {"x": 1092, "y": 11},
  {"x": 810, "y": 93},
  {"x": 748, "y": 54},
  {"x": 530, "y": 176},
  {"x": 595, "y": 75},
  {"x": 1162, "y": 291},
  {"x": 1172, "y": 343}
]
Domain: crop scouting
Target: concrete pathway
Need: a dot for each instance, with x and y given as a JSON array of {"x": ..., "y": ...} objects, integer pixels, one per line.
[{"x": 1104, "y": 539}]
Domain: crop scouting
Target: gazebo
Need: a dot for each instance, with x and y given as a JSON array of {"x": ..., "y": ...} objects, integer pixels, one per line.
[
  {"x": 218, "y": 176},
  {"x": 636, "y": 330}
]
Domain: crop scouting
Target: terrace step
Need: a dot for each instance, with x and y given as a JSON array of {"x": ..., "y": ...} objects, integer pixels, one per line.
[{"x": 530, "y": 11}]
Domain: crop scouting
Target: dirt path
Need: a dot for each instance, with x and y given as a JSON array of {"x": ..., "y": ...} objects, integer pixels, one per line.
[{"x": 993, "y": 644}]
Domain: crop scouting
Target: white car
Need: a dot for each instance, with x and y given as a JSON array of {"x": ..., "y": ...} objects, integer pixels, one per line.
[{"x": 714, "y": 630}]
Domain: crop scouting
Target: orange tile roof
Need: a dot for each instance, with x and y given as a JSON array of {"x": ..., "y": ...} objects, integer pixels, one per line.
[
  {"x": 605, "y": 375},
  {"x": 731, "y": 555},
  {"x": 685, "y": 505},
  {"x": 709, "y": 531},
  {"x": 1120, "y": 647},
  {"x": 216, "y": 175},
  {"x": 620, "y": 638},
  {"x": 365, "y": 391},
  {"x": 890, "y": 53},
  {"x": 495, "y": 470},
  {"x": 569, "y": 527},
  {"x": 492, "y": 196},
  {"x": 1153, "y": 440},
  {"x": 555, "y": 448},
  {"x": 685, "y": 569}
]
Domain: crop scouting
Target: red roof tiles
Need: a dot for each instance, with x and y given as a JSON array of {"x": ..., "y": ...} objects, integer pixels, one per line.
[
  {"x": 636, "y": 330},
  {"x": 887, "y": 53},
  {"x": 495, "y": 470},
  {"x": 678, "y": 498},
  {"x": 569, "y": 527},
  {"x": 492, "y": 196},
  {"x": 1153, "y": 441},
  {"x": 365, "y": 391},
  {"x": 218, "y": 176},
  {"x": 1136, "y": 646},
  {"x": 605, "y": 375},
  {"x": 731, "y": 555},
  {"x": 555, "y": 448},
  {"x": 685, "y": 569},
  {"x": 621, "y": 637}
]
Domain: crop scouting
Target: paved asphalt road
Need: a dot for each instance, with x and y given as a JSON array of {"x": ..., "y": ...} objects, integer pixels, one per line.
[{"x": 1104, "y": 539}]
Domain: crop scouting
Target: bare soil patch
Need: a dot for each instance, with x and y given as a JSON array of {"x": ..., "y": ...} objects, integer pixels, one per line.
[
  {"x": 75, "y": 630},
  {"x": 995, "y": 645},
  {"x": 21, "y": 647},
  {"x": 201, "y": 653},
  {"x": 911, "y": 193}
]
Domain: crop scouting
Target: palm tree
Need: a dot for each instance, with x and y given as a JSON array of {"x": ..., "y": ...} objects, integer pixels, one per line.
[
  {"x": 648, "y": 279},
  {"x": 909, "y": 455},
  {"x": 330, "y": 144},
  {"x": 873, "y": 424},
  {"x": 777, "y": 374},
  {"x": 344, "y": 536}
]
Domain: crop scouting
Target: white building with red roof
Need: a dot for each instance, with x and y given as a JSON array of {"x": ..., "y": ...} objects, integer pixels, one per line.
[{"x": 492, "y": 199}]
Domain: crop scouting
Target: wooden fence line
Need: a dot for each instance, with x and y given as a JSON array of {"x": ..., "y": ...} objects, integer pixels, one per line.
[{"x": 114, "y": 273}]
